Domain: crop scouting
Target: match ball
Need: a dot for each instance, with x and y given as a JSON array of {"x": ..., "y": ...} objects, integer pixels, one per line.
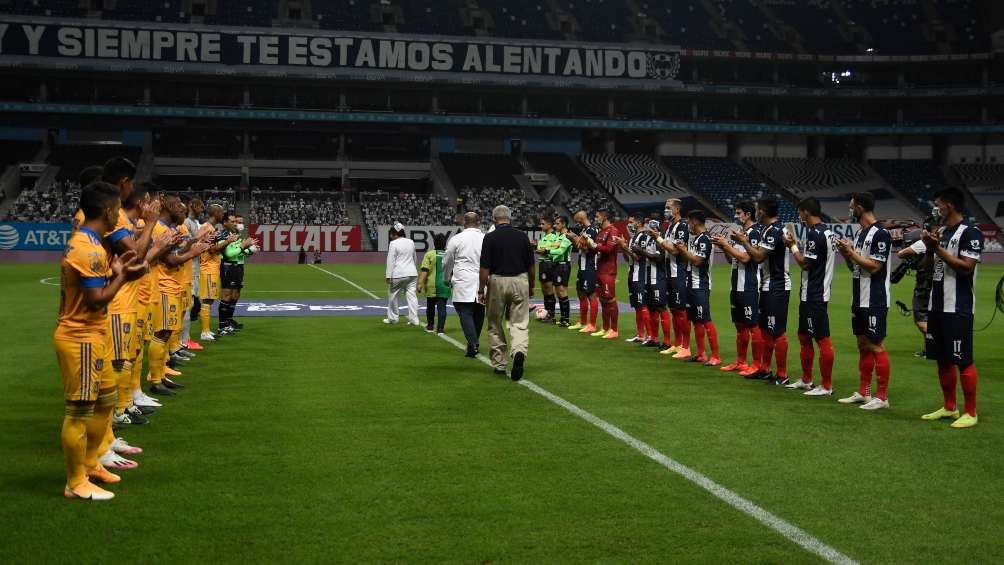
[{"x": 540, "y": 313}]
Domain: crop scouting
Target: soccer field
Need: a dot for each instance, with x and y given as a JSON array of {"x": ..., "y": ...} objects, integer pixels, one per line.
[{"x": 334, "y": 438}]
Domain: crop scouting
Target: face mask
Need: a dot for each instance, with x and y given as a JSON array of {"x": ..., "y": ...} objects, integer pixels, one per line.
[
  {"x": 739, "y": 219},
  {"x": 852, "y": 216},
  {"x": 936, "y": 213},
  {"x": 632, "y": 229},
  {"x": 240, "y": 227},
  {"x": 667, "y": 213}
]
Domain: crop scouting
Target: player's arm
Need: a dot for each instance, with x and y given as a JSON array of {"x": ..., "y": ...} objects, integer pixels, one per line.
[
  {"x": 757, "y": 253},
  {"x": 803, "y": 259},
  {"x": 731, "y": 252},
  {"x": 608, "y": 246},
  {"x": 98, "y": 291},
  {"x": 451, "y": 250},
  {"x": 562, "y": 247},
  {"x": 878, "y": 254},
  {"x": 969, "y": 251},
  {"x": 181, "y": 255}
]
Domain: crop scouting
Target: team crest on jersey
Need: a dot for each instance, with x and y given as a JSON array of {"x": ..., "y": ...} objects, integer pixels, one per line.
[
  {"x": 881, "y": 246},
  {"x": 99, "y": 364},
  {"x": 139, "y": 323},
  {"x": 126, "y": 327},
  {"x": 174, "y": 308}
]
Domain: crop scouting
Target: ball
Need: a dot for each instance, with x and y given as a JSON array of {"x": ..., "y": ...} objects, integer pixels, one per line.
[{"x": 541, "y": 313}]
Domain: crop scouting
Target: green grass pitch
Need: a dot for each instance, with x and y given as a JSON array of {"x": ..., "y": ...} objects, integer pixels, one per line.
[{"x": 338, "y": 439}]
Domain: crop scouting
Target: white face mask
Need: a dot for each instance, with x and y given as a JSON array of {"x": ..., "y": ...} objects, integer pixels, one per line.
[
  {"x": 936, "y": 213},
  {"x": 240, "y": 227}
]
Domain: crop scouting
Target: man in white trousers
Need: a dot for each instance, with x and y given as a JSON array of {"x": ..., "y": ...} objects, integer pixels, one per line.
[{"x": 402, "y": 276}]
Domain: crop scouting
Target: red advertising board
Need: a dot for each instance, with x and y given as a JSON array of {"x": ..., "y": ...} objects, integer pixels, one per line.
[{"x": 293, "y": 237}]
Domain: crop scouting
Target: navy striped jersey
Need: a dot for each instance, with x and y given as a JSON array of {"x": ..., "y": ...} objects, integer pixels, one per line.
[
  {"x": 871, "y": 290},
  {"x": 637, "y": 267},
  {"x": 700, "y": 277},
  {"x": 587, "y": 259},
  {"x": 679, "y": 267},
  {"x": 774, "y": 275},
  {"x": 817, "y": 279},
  {"x": 746, "y": 276},
  {"x": 953, "y": 292},
  {"x": 656, "y": 267}
]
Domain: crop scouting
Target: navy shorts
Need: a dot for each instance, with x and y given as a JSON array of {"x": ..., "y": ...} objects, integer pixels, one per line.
[
  {"x": 814, "y": 319},
  {"x": 585, "y": 282},
  {"x": 546, "y": 271},
  {"x": 561, "y": 273},
  {"x": 637, "y": 291},
  {"x": 699, "y": 309},
  {"x": 774, "y": 312},
  {"x": 950, "y": 338},
  {"x": 870, "y": 322},
  {"x": 745, "y": 308},
  {"x": 677, "y": 293}
]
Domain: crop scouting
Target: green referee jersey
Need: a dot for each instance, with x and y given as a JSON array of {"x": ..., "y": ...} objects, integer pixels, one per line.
[
  {"x": 546, "y": 243},
  {"x": 561, "y": 250}
]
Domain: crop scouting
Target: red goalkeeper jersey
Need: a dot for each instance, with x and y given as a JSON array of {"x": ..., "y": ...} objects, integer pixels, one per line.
[{"x": 608, "y": 250}]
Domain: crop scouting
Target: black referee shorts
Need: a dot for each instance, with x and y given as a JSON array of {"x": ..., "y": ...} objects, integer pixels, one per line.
[
  {"x": 561, "y": 273},
  {"x": 232, "y": 276},
  {"x": 546, "y": 271}
]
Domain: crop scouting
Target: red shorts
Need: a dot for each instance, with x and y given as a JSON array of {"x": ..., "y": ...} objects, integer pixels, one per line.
[{"x": 607, "y": 286}]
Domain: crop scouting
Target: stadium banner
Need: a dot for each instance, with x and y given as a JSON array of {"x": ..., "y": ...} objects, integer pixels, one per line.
[
  {"x": 294, "y": 237},
  {"x": 118, "y": 46},
  {"x": 423, "y": 235},
  {"x": 27, "y": 236}
]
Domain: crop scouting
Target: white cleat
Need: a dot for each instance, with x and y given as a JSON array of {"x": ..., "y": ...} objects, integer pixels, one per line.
[
  {"x": 112, "y": 460},
  {"x": 141, "y": 399},
  {"x": 819, "y": 391},
  {"x": 875, "y": 404},
  {"x": 634, "y": 339},
  {"x": 122, "y": 447},
  {"x": 855, "y": 398},
  {"x": 387, "y": 321},
  {"x": 799, "y": 385},
  {"x": 207, "y": 337}
]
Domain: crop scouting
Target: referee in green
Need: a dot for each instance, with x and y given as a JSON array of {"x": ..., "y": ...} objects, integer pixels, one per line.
[{"x": 547, "y": 242}]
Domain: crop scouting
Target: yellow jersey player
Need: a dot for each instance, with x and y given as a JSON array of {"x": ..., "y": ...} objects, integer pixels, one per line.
[
  {"x": 89, "y": 282},
  {"x": 167, "y": 309},
  {"x": 209, "y": 269}
]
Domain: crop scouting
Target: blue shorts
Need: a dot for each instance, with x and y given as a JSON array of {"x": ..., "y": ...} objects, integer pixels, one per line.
[
  {"x": 745, "y": 308},
  {"x": 813, "y": 320},
  {"x": 870, "y": 322},
  {"x": 774, "y": 312},
  {"x": 699, "y": 308},
  {"x": 585, "y": 282}
]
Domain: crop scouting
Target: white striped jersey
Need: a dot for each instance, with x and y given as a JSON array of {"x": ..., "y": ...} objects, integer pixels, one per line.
[
  {"x": 637, "y": 267},
  {"x": 817, "y": 280},
  {"x": 700, "y": 277},
  {"x": 953, "y": 292},
  {"x": 871, "y": 290},
  {"x": 657, "y": 267},
  {"x": 679, "y": 267},
  {"x": 774, "y": 273},
  {"x": 746, "y": 276},
  {"x": 587, "y": 259}
]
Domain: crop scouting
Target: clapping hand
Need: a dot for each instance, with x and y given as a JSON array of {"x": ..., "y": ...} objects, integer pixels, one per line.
[
  {"x": 930, "y": 240},
  {"x": 845, "y": 247}
]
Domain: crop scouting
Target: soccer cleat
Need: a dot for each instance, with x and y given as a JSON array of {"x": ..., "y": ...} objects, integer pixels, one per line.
[
  {"x": 177, "y": 357},
  {"x": 799, "y": 385},
  {"x": 171, "y": 384},
  {"x": 429, "y": 330},
  {"x": 227, "y": 330},
  {"x": 122, "y": 447},
  {"x": 697, "y": 359},
  {"x": 102, "y": 475},
  {"x": 112, "y": 460},
  {"x": 941, "y": 413},
  {"x": 137, "y": 419},
  {"x": 855, "y": 398},
  {"x": 564, "y": 324},
  {"x": 206, "y": 336},
  {"x": 194, "y": 345},
  {"x": 611, "y": 335},
  {"x": 500, "y": 372},
  {"x": 749, "y": 372},
  {"x": 713, "y": 362},
  {"x": 139, "y": 398},
  {"x": 875, "y": 404},
  {"x": 818, "y": 391},
  {"x": 161, "y": 390},
  {"x": 517, "y": 366},
  {"x": 88, "y": 491},
  {"x": 171, "y": 372},
  {"x": 780, "y": 381},
  {"x": 737, "y": 366},
  {"x": 120, "y": 421},
  {"x": 136, "y": 411},
  {"x": 590, "y": 329},
  {"x": 576, "y": 326},
  {"x": 920, "y": 353},
  {"x": 756, "y": 375},
  {"x": 965, "y": 421},
  {"x": 634, "y": 339},
  {"x": 599, "y": 333},
  {"x": 385, "y": 320},
  {"x": 682, "y": 353},
  {"x": 653, "y": 344}
]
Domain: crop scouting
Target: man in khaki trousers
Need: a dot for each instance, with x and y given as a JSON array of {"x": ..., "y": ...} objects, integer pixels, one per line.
[{"x": 506, "y": 285}]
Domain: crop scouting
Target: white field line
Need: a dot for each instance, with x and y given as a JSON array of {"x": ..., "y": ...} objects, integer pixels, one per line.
[
  {"x": 340, "y": 277},
  {"x": 786, "y": 529}
]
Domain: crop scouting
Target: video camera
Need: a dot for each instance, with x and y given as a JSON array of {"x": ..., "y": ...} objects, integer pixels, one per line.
[{"x": 907, "y": 239}]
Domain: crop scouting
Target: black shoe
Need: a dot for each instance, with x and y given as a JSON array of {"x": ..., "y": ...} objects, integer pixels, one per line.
[
  {"x": 138, "y": 420},
  {"x": 757, "y": 376},
  {"x": 238, "y": 326},
  {"x": 769, "y": 378},
  {"x": 161, "y": 390},
  {"x": 920, "y": 353},
  {"x": 500, "y": 372},
  {"x": 781, "y": 381},
  {"x": 141, "y": 410},
  {"x": 176, "y": 359},
  {"x": 119, "y": 425},
  {"x": 563, "y": 324},
  {"x": 171, "y": 384},
  {"x": 517, "y": 366},
  {"x": 477, "y": 348},
  {"x": 471, "y": 352},
  {"x": 225, "y": 330},
  {"x": 654, "y": 343}
]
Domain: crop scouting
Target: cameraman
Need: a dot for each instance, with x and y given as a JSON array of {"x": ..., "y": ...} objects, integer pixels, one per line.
[{"x": 915, "y": 257}]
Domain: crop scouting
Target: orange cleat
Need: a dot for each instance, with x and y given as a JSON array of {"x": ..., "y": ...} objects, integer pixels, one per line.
[
  {"x": 103, "y": 475},
  {"x": 750, "y": 370},
  {"x": 87, "y": 491},
  {"x": 171, "y": 372},
  {"x": 588, "y": 329},
  {"x": 713, "y": 362},
  {"x": 737, "y": 366},
  {"x": 194, "y": 345},
  {"x": 683, "y": 353},
  {"x": 612, "y": 334}
]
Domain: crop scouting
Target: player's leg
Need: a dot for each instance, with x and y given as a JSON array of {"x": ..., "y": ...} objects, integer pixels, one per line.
[
  {"x": 866, "y": 360},
  {"x": 158, "y": 353},
  {"x": 78, "y": 369},
  {"x": 564, "y": 305},
  {"x": 710, "y": 330},
  {"x": 580, "y": 288},
  {"x": 547, "y": 272},
  {"x": 393, "y": 311},
  {"x": 99, "y": 424},
  {"x": 611, "y": 311},
  {"x": 594, "y": 305},
  {"x": 876, "y": 343}
]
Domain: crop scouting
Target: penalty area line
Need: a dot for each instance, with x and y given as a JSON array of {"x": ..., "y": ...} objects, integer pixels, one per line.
[
  {"x": 341, "y": 278},
  {"x": 786, "y": 529}
]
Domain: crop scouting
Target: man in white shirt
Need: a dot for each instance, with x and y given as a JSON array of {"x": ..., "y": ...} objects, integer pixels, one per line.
[
  {"x": 402, "y": 276},
  {"x": 462, "y": 267}
]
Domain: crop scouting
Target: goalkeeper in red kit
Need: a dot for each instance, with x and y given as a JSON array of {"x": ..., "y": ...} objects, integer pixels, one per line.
[{"x": 607, "y": 247}]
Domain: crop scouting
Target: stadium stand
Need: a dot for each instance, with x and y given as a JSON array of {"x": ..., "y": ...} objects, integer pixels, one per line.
[
  {"x": 525, "y": 210},
  {"x": 519, "y": 18},
  {"x": 281, "y": 207},
  {"x": 73, "y": 158},
  {"x": 57, "y": 203},
  {"x": 438, "y": 17},
  {"x": 349, "y": 15},
  {"x": 632, "y": 179},
  {"x": 917, "y": 179},
  {"x": 686, "y": 24},
  {"x": 986, "y": 182},
  {"x": 725, "y": 182},
  {"x": 382, "y": 208},
  {"x": 584, "y": 193},
  {"x": 14, "y": 152},
  {"x": 468, "y": 169},
  {"x": 249, "y": 13},
  {"x": 168, "y": 11},
  {"x": 223, "y": 197},
  {"x": 815, "y": 176}
]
